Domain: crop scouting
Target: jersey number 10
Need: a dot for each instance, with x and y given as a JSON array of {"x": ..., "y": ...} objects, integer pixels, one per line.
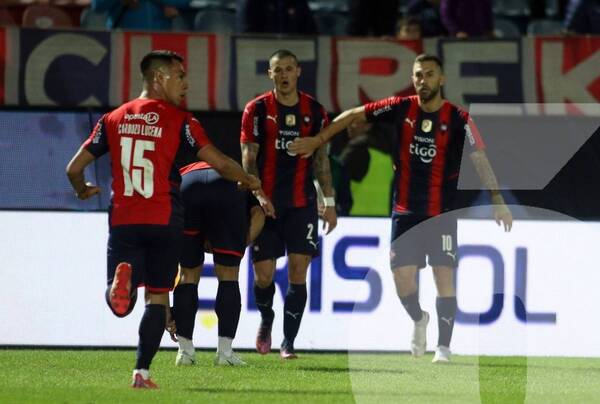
[{"x": 138, "y": 176}]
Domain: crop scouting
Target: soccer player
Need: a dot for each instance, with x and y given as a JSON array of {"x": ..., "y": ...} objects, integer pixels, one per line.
[
  {"x": 429, "y": 137},
  {"x": 216, "y": 213},
  {"x": 145, "y": 138},
  {"x": 269, "y": 125}
]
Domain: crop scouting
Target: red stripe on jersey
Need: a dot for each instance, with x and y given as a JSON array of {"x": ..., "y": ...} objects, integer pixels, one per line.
[
  {"x": 228, "y": 252},
  {"x": 434, "y": 207},
  {"x": 191, "y": 232},
  {"x": 212, "y": 72},
  {"x": 299, "y": 198},
  {"x": 271, "y": 130},
  {"x": 409, "y": 128}
]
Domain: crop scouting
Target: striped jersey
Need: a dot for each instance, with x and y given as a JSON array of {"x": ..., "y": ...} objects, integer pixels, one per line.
[
  {"x": 287, "y": 178},
  {"x": 427, "y": 152}
]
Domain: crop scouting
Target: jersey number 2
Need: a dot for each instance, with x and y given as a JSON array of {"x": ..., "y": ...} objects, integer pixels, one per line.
[{"x": 138, "y": 176}]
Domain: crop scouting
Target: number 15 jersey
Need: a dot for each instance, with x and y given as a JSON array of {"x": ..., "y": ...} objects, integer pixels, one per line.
[{"x": 148, "y": 141}]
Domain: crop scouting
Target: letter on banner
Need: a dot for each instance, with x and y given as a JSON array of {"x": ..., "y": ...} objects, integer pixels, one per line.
[
  {"x": 252, "y": 80},
  {"x": 482, "y": 72},
  {"x": 46, "y": 52},
  {"x": 573, "y": 83},
  {"x": 369, "y": 70}
]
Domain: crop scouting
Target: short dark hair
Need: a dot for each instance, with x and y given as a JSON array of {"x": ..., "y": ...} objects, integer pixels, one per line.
[
  {"x": 283, "y": 53},
  {"x": 424, "y": 57},
  {"x": 157, "y": 58}
]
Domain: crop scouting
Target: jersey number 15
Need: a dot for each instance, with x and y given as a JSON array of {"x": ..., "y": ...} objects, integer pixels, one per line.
[{"x": 138, "y": 176}]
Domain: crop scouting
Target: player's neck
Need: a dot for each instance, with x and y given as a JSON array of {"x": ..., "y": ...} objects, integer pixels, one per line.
[
  {"x": 150, "y": 94},
  {"x": 289, "y": 100},
  {"x": 432, "y": 105}
]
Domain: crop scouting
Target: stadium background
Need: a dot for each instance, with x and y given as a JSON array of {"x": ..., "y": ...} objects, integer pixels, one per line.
[{"x": 56, "y": 83}]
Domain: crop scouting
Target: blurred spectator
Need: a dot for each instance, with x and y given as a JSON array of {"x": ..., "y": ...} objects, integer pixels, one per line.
[
  {"x": 467, "y": 18},
  {"x": 370, "y": 18},
  {"x": 409, "y": 29},
  {"x": 276, "y": 16},
  {"x": 139, "y": 14},
  {"x": 428, "y": 11},
  {"x": 583, "y": 17}
]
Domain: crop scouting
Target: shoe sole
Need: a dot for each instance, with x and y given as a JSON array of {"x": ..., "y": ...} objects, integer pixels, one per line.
[{"x": 120, "y": 297}]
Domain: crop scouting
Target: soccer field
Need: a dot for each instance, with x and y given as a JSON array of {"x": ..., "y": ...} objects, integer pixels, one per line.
[{"x": 69, "y": 376}]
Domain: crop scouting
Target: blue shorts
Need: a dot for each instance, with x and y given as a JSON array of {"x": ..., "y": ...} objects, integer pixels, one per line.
[
  {"x": 417, "y": 238},
  {"x": 152, "y": 250},
  {"x": 215, "y": 216},
  {"x": 294, "y": 230}
]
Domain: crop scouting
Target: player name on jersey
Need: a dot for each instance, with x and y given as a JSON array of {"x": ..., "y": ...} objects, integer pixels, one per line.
[{"x": 139, "y": 129}]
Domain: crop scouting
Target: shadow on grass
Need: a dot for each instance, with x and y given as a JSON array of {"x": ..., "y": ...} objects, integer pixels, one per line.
[
  {"x": 349, "y": 392},
  {"x": 348, "y": 370}
]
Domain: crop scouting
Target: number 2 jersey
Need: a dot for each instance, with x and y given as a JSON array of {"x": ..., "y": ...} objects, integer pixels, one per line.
[
  {"x": 427, "y": 152},
  {"x": 148, "y": 141},
  {"x": 287, "y": 179}
]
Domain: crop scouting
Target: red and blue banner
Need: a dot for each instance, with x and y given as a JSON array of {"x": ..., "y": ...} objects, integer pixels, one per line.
[{"x": 82, "y": 68}]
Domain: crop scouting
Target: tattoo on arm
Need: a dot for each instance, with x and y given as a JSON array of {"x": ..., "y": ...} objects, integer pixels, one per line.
[
  {"x": 249, "y": 153},
  {"x": 485, "y": 172},
  {"x": 322, "y": 171}
]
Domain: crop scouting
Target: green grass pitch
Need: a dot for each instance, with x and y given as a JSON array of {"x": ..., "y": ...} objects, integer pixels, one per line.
[{"x": 103, "y": 376}]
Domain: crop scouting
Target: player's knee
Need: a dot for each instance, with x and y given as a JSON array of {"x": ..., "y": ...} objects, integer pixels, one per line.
[
  {"x": 297, "y": 274},
  {"x": 227, "y": 273},
  {"x": 406, "y": 282},
  {"x": 190, "y": 275},
  {"x": 156, "y": 297}
]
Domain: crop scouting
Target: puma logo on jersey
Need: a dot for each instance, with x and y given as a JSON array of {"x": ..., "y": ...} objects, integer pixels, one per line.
[
  {"x": 273, "y": 118},
  {"x": 410, "y": 122}
]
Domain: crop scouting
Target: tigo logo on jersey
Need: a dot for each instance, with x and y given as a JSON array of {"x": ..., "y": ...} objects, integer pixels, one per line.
[{"x": 425, "y": 153}]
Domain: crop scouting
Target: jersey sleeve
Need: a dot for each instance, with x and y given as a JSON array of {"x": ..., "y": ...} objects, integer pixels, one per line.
[
  {"x": 471, "y": 132},
  {"x": 249, "y": 130},
  {"x": 97, "y": 141},
  {"x": 193, "y": 134},
  {"x": 382, "y": 110}
]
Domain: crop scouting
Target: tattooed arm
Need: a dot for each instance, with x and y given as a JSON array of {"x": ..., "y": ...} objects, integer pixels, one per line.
[
  {"x": 488, "y": 179},
  {"x": 249, "y": 154},
  {"x": 322, "y": 171}
]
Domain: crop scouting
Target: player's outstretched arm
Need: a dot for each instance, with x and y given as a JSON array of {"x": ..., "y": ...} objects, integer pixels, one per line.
[
  {"x": 483, "y": 167},
  {"x": 307, "y": 145},
  {"x": 228, "y": 168},
  {"x": 322, "y": 171},
  {"x": 75, "y": 172}
]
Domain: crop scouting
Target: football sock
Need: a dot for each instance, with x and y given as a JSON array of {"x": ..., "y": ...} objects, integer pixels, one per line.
[
  {"x": 185, "y": 306},
  {"x": 446, "y": 311},
  {"x": 264, "y": 301},
  {"x": 228, "y": 307},
  {"x": 293, "y": 308},
  {"x": 224, "y": 345},
  {"x": 412, "y": 306},
  {"x": 151, "y": 330}
]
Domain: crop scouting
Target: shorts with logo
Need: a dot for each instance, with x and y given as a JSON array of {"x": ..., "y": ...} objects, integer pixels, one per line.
[
  {"x": 415, "y": 238},
  {"x": 294, "y": 230},
  {"x": 152, "y": 250},
  {"x": 215, "y": 217}
]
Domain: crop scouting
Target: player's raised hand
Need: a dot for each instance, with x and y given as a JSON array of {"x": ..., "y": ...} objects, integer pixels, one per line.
[
  {"x": 503, "y": 216},
  {"x": 305, "y": 146},
  {"x": 329, "y": 217},
  {"x": 89, "y": 191}
]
